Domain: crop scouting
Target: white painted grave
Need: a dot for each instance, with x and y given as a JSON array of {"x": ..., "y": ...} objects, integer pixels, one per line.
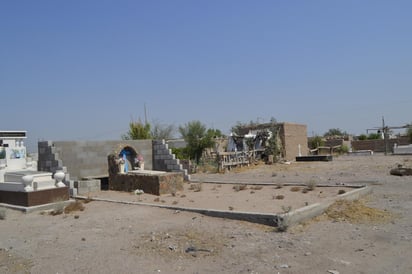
[{"x": 17, "y": 171}]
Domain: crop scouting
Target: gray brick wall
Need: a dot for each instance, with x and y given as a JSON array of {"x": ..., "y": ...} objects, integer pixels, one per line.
[
  {"x": 87, "y": 159},
  {"x": 165, "y": 160}
]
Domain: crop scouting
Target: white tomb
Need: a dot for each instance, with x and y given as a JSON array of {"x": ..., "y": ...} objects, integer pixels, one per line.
[{"x": 18, "y": 173}]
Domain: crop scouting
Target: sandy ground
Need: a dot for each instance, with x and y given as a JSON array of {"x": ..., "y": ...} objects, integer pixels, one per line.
[{"x": 119, "y": 238}]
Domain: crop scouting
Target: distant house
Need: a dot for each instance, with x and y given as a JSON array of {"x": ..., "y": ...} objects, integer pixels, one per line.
[{"x": 292, "y": 138}]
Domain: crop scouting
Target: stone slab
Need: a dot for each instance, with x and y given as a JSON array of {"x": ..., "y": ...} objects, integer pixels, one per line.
[{"x": 312, "y": 158}]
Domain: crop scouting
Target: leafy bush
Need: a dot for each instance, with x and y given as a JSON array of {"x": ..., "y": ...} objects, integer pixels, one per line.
[
  {"x": 409, "y": 134},
  {"x": 316, "y": 141},
  {"x": 374, "y": 136},
  {"x": 343, "y": 149}
]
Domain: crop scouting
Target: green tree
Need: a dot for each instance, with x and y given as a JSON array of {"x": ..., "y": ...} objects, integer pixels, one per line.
[
  {"x": 335, "y": 132},
  {"x": 374, "y": 136},
  {"x": 363, "y": 137},
  {"x": 197, "y": 138},
  {"x": 315, "y": 142},
  {"x": 137, "y": 130},
  {"x": 215, "y": 133},
  {"x": 236, "y": 129},
  {"x": 409, "y": 133}
]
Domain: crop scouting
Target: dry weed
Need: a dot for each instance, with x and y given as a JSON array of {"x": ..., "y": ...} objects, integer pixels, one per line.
[
  {"x": 356, "y": 212},
  {"x": 239, "y": 187},
  {"x": 196, "y": 187},
  {"x": 311, "y": 185},
  {"x": 2, "y": 213},
  {"x": 75, "y": 206},
  {"x": 295, "y": 188}
]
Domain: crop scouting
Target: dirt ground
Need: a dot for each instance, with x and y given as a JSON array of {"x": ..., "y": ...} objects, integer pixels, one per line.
[{"x": 372, "y": 236}]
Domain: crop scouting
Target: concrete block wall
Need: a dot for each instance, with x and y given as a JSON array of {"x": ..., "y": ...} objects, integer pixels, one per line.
[
  {"x": 88, "y": 159},
  {"x": 378, "y": 145},
  {"x": 165, "y": 160},
  {"x": 49, "y": 160},
  {"x": 293, "y": 135},
  {"x": 86, "y": 186}
]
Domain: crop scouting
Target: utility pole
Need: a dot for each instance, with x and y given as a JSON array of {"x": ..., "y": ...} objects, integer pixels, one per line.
[{"x": 385, "y": 133}]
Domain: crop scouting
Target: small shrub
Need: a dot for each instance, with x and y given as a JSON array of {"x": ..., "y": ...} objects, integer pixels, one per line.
[
  {"x": 138, "y": 192},
  {"x": 311, "y": 185},
  {"x": 88, "y": 200},
  {"x": 196, "y": 187},
  {"x": 182, "y": 196},
  {"x": 2, "y": 214},
  {"x": 239, "y": 187},
  {"x": 279, "y": 185},
  {"x": 295, "y": 189},
  {"x": 156, "y": 199},
  {"x": 274, "y": 174},
  {"x": 75, "y": 206},
  {"x": 279, "y": 197},
  {"x": 282, "y": 225},
  {"x": 344, "y": 149},
  {"x": 256, "y": 187},
  {"x": 175, "y": 202},
  {"x": 305, "y": 190},
  {"x": 286, "y": 209},
  {"x": 231, "y": 208},
  {"x": 341, "y": 191}
]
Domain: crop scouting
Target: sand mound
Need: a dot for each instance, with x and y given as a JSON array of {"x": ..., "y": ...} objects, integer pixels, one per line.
[{"x": 356, "y": 212}]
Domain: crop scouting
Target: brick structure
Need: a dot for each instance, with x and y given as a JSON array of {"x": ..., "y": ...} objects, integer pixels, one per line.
[
  {"x": 379, "y": 145},
  {"x": 34, "y": 198},
  {"x": 152, "y": 182},
  {"x": 165, "y": 160},
  {"x": 293, "y": 136},
  {"x": 87, "y": 159}
]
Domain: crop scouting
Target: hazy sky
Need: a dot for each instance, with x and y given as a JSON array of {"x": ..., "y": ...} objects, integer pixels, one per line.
[{"x": 81, "y": 70}]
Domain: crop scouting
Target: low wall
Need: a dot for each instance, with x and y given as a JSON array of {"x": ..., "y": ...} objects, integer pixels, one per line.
[
  {"x": 156, "y": 184},
  {"x": 87, "y": 159},
  {"x": 378, "y": 145}
]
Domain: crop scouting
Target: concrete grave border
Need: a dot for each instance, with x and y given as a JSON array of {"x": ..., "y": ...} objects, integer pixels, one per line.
[{"x": 277, "y": 220}]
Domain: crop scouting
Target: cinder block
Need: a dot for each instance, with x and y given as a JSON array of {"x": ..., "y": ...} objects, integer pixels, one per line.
[
  {"x": 86, "y": 186},
  {"x": 73, "y": 192}
]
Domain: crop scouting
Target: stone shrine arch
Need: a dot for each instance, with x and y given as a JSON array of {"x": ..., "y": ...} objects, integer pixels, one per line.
[{"x": 122, "y": 159}]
